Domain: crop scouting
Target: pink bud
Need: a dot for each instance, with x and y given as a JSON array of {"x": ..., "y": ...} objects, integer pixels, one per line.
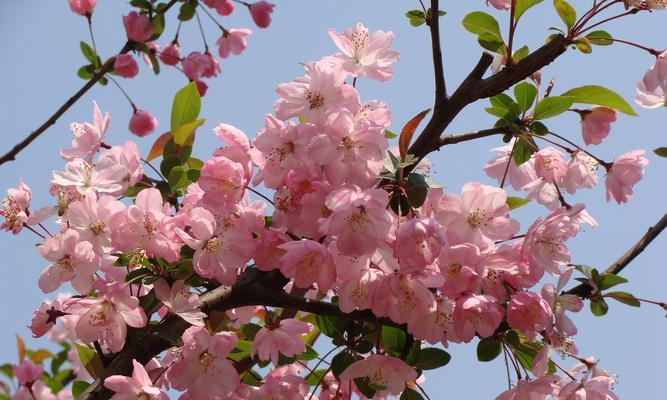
[
  {"x": 138, "y": 27},
  {"x": 223, "y": 7},
  {"x": 171, "y": 54},
  {"x": 233, "y": 41},
  {"x": 142, "y": 123},
  {"x": 261, "y": 13},
  {"x": 596, "y": 124},
  {"x": 126, "y": 66},
  {"x": 27, "y": 372},
  {"x": 82, "y": 7}
]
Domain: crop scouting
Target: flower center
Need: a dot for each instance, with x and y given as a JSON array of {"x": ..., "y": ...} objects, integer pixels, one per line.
[
  {"x": 206, "y": 360},
  {"x": 477, "y": 217},
  {"x": 97, "y": 227},
  {"x": 213, "y": 244},
  {"x": 316, "y": 99},
  {"x": 66, "y": 264}
]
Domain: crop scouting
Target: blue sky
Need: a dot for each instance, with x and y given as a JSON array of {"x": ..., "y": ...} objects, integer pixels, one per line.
[{"x": 41, "y": 47}]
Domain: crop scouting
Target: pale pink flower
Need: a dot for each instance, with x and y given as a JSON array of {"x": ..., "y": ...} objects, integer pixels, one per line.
[
  {"x": 87, "y": 137},
  {"x": 36, "y": 391},
  {"x": 404, "y": 298},
  {"x": 126, "y": 66},
  {"x": 223, "y": 7},
  {"x": 284, "y": 337},
  {"x": 478, "y": 216},
  {"x": 44, "y": 318},
  {"x": 15, "y": 208},
  {"x": 307, "y": 262},
  {"x": 529, "y": 313},
  {"x": 82, "y": 7},
  {"x": 171, "y": 54},
  {"x": 517, "y": 175},
  {"x": 220, "y": 249},
  {"x": 233, "y": 41},
  {"x": 282, "y": 383},
  {"x": 358, "y": 293},
  {"x": 545, "y": 192},
  {"x": 365, "y": 53},
  {"x": 268, "y": 249},
  {"x": 261, "y": 13},
  {"x": 418, "y": 243},
  {"x": 105, "y": 318},
  {"x": 91, "y": 218},
  {"x": 127, "y": 156},
  {"x": 138, "y": 27},
  {"x": 73, "y": 260},
  {"x": 479, "y": 314},
  {"x": 179, "y": 300},
  {"x": 223, "y": 182},
  {"x": 549, "y": 165},
  {"x": 500, "y": 4},
  {"x": 652, "y": 90},
  {"x": 581, "y": 172},
  {"x": 321, "y": 90},
  {"x": 387, "y": 373},
  {"x": 598, "y": 388},
  {"x": 374, "y": 112},
  {"x": 142, "y": 123},
  {"x": 27, "y": 372},
  {"x": 237, "y": 149},
  {"x": 596, "y": 124},
  {"x": 139, "y": 386},
  {"x": 624, "y": 173},
  {"x": 204, "y": 370},
  {"x": 147, "y": 225},
  {"x": 359, "y": 219},
  {"x": 199, "y": 65},
  {"x": 538, "y": 389},
  {"x": 437, "y": 325},
  {"x": 458, "y": 265},
  {"x": 87, "y": 179},
  {"x": 560, "y": 303},
  {"x": 646, "y": 4}
]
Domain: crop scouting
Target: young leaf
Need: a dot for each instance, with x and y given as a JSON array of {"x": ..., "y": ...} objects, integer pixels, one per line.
[
  {"x": 525, "y": 95},
  {"x": 177, "y": 178},
  {"x": 661, "y": 151},
  {"x": 523, "y": 150},
  {"x": 600, "y": 38},
  {"x": 610, "y": 280},
  {"x": 89, "y": 53},
  {"x": 186, "y": 106},
  {"x": 522, "y": 6},
  {"x": 158, "y": 146},
  {"x": 599, "y": 307},
  {"x": 520, "y": 54},
  {"x": 408, "y": 131},
  {"x": 566, "y": 12},
  {"x": 90, "y": 360},
  {"x": 183, "y": 132},
  {"x": 601, "y": 96},
  {"x": 409, "y": 394},
  {"x": 79, "y": 387},
  {"x": 516, "y": 202},
  {"x": 20, "y": 346},
  {"x": 488, "y": 349},
  {"x": 552, "y": 106},
  {"x": 625, "y": 298},
  {"x": 432, "y": 358},
  {"x": 393, "y": 339},
  {"x": 479, "y": 23},
  {"x": 389, "y": 134}
]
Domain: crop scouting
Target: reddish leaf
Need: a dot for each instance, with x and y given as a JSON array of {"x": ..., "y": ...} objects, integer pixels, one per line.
[
  {"x": 20, "y": 345},
  {"x": 408, "y": 131},
  {"x": 158, "y": 146}
]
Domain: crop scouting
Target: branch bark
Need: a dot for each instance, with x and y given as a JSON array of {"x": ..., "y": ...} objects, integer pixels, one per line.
[
  {"x": 584, "y": 290},
  {"x": 438, "y": 70}
]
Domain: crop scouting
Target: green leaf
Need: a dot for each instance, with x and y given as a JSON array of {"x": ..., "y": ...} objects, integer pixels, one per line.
[
  {"x": 417, "y": 190},
  {"x": 610, "y": 280},
  {"x": 584, "y": 45},
  {"x": 315, "y": 377},
  {"x": 187, "y": 11},
  {"x": 522, "y": 6},
  {"x": 503, "y": 101},
  {"x": 183, "y": 132},
  {"x": 90, "y": 360},
  {"x": 525, "y": 95},
  {"x": 389, "y": 134},
  {"x": 6, "y": 370},
  {"x": 330, "y": 326},
  {"x": 625, "y": 298},
  {"x": 168, "y": 163},
  {"x": 415, "y": 14},
  {"x": 601, "y": 96},
  {"x": 523, "y": 150},
  {"x": 432, "y": 358},
  {"x": 552, "y": 106},
  {"x": 491, "y": 43},
  {"x": 661, "y": 151},
  {"x": 86, "y": 72},
  {"x": 409, "y": 394},
  {"x": 488, "y": 349},
  {"x": 520, "y": 54},
  {"x": 566, "y": 12},
  {"x": 516, "y": 202},
  {"x": 78, "y": 387},
  {"x": 599, "y": 307},
  {"x": 186, "y": 106},
  {"x": 538, "y": 128},
  {"x": 393, "y": 339},
  {"x": 250, "y": 330},
  {"x": 600, "y": 38},
  {"x": 340, "y": 362},
  {"x": 89, "y": 53},
  {"x": 417, "y": 21},
  {"x": 178, "y": 176},
  {"x": 479, "y": 23}
]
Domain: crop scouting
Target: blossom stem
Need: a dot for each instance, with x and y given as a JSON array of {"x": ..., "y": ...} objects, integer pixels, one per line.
[
  {"x": 507, "y": 167},
  {"x": 134, "y": 107},
  {"x": 89, "y": 17},
  {"x": 201, "y": 31},
  {"x": 512, "y": 28},
  {"x": 260, "y": 195},
  {"x": 154, "y": 169},
  {"x": 45, "y": 230},
  {"x": 651, "y": 51},
  {"x": 631, "y": 12},
  {"x": 33, "y": 231},
  {"x": 215, "y": 21},
  {"x": 618, "y": 296},
  {"x": 605, "y": 164}
]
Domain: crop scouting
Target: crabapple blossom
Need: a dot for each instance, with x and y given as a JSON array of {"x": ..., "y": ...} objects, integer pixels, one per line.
[
  {"x": 581, "y": 172},
  {"x": 138, "y": 27},
  {"x": 403, "y": 298},
  {"x": 437, "y": 325},
  {"x": 44, "y": 318},
  {"x": 87, "y": 137},
  {"x": 358, "y": 293},
  {"x": 127, "y": 156},
  {"x": 626, "y": 170},
  {"x": 233, "y": 41},
  {"x": 365, "y": 53},
  {"x": 199, "y": 65},
  {"x": 27, "y": 372},
  {"x": 500, "y": 4},
  {"x": 307, "y": 262},
  {"x": 594, "y": 388},
  {"x": 126, "y": 66},
  {"x": 171, "y": 54},
  {"x": 180, "y": 301},
  {"x": 517, "y": 175},
  {"x": 652, "y": 90},
  {"x": 282, "y": 337},
  {"x": 261, "y": 13},
  {"x": 560, "y": 303},
  {"x": 73, "y": 260},
  {"x": 383, "y": 372},
  {"x": 479, "y": 314},
  {"x": 596, "y": 124},
  {"x": 538, "y": 389},
  {"x": 282, "y": 383},
  {"x": 139, "y": 386},
  {"x": 549, "y": 165},
  {"x": 529, "y": 313},
  {"x": 82, "y": 7},
  {"x": 223, "y": 7},
  {"x": 459, "y": 266},
  {"x": 15, "y": 208},
  {"x": 142, "y": 123},
  {"x": 419, "y": 242},
  {"x": 223, "y": 182},
  {"x": 86, "y": 178}
]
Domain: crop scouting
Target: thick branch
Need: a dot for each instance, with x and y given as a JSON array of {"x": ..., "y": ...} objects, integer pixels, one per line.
[
  {"x": 584, "y": 290},
  {"x": 434, "y": 26},
  {"x": 464, "y": 137}
]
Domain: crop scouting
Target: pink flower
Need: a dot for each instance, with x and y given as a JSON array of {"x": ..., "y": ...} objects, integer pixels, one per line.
[
  {"x": 478, "y": 215},
  {"x": 595, "y": 388},
  {"x": 86, "y": 178},
  {"x": 87, "y": 137},
  {"x": 581, "y": 172},
  {"x": 105, "y": 318},
  {"x": 500, "y": 4},
  {"x": 126, "y": 66},
  {"x": 142, "y": 123},
  {"x": 261, "y": 13},
  {"x": 652, "y": 90},
  {"x": 479, "y": 314},
  {"x": 366, "y": 54},
  {"x": 307, "y": 262},
  {"x": 15, "y": 208},
  {"x": 560, "y": 303},
  {"x": 171, "y": 54},
  {"x": 529, "y": 313},
  {"x": 359, "y": 220},
  {"x": 44, "y": 318},
  {"x": 238, "y": 146},
  {"x": 517, "y": 175},
  {"x": 282, "y": 383},
  {"x": 200, "y": 65},
  {"x": 223, "y": 182},
  {"x": 204, "y": 370},
  {"x": 139, "y": 386},
  {"x": 358, "y": 293},
  {"x": 626, "y": 170},
  {"x": 223, "y": 7},
  {"x": 127, "y": 156},
  {"x": 437, "y": 325},
  {"x": 384, "y": 373},
  {"x": 138, "y": 27},
  {"x": 73, "y": 260},
  {"x": 180, "y": 301},
  {"x": 82, "y": 7},
  {"x": 233, "y": 41},
  {"x": 537, "y": 389},
  {"x": 27, "y": 372},
  {"x": 596, "y": 124},
  {"x": 282, "y": 337},
  {"x": 418, "y": 242},
  {"x": 549, "y": 165},
  {"x": 404, "y": 298},
  {"x": 458, "y": 265}
]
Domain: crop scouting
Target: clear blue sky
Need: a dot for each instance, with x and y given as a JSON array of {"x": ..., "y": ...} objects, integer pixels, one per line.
[{"x": 41, "y": 46}]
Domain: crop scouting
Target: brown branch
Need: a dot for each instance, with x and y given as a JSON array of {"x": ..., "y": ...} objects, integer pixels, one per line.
[
  {"x": 433, "y": 21},
  {"x": 464, "y": 137},
  {"x": 585, "y": 290},
  {"x": 104, "y": 69}
]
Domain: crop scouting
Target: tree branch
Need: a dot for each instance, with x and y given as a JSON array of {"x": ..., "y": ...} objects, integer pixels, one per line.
[
  {"x": 433, "y": 21},
  {"x": 464, "y": 137},
  {"x": 584, "y": 290}
]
